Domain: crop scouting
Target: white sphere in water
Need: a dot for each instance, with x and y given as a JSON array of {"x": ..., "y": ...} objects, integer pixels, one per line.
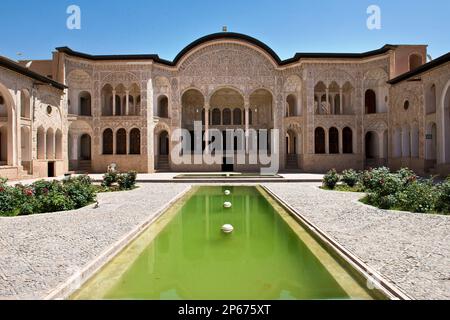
[
  {"x": 227, "y": 205},
  {"x": 227, "y": 228},
  {"x": 227, "y": 192}
]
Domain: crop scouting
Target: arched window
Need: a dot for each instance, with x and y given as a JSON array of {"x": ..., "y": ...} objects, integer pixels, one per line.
[
  {"x": 121, "y": 141},
  {"x": 226, "y": 117},
  {"x": 250, "y": 117},
  {"x": 41, "y": 139},
  {"x": 163, "y": 107},
  {"x": 137, "y": 107},
  {"x": 216, "y": 117},
  {"x": 135, "y": 141},
  {"x": 291, "y": 106},
  {"x": 371, "y": 102},
  {"x": 319, "y": 141},
  {"x": 108, "y": 142},
  {"x": 347, "y": 137},
  {"x": 85, "y": 103},
  {"x": 58, "y": 144},
  {"x": 237, "y": 117},
  {"x": 333, "y": 140},
  {"x": 25, "y": 111},
  {"x": 50, "y": 144},
  {"x": 415, "y": 61},
  {"x": 431, "y": 100},
  {"x": 107, "y": 100}
]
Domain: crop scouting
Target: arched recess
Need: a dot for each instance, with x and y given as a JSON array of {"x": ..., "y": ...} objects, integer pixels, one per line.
[
  {"x": 226, "y": 118},
  {"x": 50, "y": 144},
  {"x": 135, "y": 141},
  {"x": 333, "y": 140},
  {"x": 107, "y": 100},
  {"x": 121, "y": 141},
  {"x": 216, "y": 117},
  {"x": 134, "y": 100},
  {"x": 120, "y": 100},
  {"x": 397, "y": 143},
  {"x": 372, "y": 145},
  {"x": 370, "y": 101},
  {"x": 192, "y": 102},
  {"x": 8, "y": 116},
  {"x": 163, "y": 143},
  {"x": 261, "y": 103},
  {"x": 446, "y": 123},
  {"x": 319, "y": 141},
  {"x": 25, "y": 137},
  {"x": 25, "y": 101},
  {"x": 321, "y": 106},
  {"x": 108, "y": 142},
  {"x": 292, "y": 143},
  {"x": 58, "y": 145},
  {"x": 415, "y": 141},
  {"x": 85, "y": 104},
  {"x": 163, "y": 107},
  {"x": 347, "y": 139},
  {"x": 41, "y": 141},
  {"x": 291, "y": 106},
  {"x": 85, "y": 147},
  {"x": 347, "y": 98},
  {"x": 430, "y": 99},
  {"x": 237, "y": 117},
  {"x": 406, "y": 142},
  {"x": 415, "y": 61},
  {"x": 431, "y": 143}
]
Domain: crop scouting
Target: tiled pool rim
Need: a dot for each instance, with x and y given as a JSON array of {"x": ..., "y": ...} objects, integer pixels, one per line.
[{"x": 355, "y": 266}]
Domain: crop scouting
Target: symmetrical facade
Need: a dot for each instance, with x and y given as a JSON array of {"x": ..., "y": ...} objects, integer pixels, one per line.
[{"x": 384, "y": 107}]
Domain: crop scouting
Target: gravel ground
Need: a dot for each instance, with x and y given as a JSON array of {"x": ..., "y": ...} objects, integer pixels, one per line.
[
  {"x": 411, "y": 250},
  {"x": 40, "y": 252}
]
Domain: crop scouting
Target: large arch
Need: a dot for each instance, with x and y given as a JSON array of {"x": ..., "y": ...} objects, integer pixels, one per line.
[
  {"x": 107, "y": 100},
  {"x": 370, "y": 101},
  {"x": 8, "y": 154},
  {"x": 347, "y": 140},
  {"x": 261, "y": 104},
  {"x": 163, "y": 107},
  {"x": 25, "y": 102},
  {"x": 50, "y": 143},
  {"x": 372, "y": 146}
]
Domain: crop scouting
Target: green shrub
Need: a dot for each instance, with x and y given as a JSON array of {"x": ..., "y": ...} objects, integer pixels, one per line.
[
  {"x": 9, "y": 201},
  {"x": 374, "y": 179},
  {"x": 350, "y": 177},
  {"x": 109, "y": 179},
  {"x": 54, "y": 202},
  {"x": 443, "y": 197},
  {"x": 80, "y": 190},
  {"x": 127, "y": 180},
  {"x": 418, "y": 196},
  {"x": 331, "y": 179}
]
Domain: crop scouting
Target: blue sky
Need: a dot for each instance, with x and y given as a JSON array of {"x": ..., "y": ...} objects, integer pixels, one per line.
[{"x": 164, "y": 27}]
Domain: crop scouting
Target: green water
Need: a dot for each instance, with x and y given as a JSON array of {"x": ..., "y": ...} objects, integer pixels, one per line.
[{"x": 192, "y": 259}]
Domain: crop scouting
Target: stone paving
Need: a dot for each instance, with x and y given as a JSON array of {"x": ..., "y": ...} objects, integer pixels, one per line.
[
  {"x": 40, "y": 252},
  {"x": 411, "y": 250}
]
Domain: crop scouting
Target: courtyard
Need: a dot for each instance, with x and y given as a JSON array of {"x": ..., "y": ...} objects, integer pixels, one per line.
[{"x": 42, "y": 253}]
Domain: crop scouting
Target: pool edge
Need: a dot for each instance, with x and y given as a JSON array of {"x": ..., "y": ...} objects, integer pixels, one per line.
[
  {"x": 76, "y": 281},
  {"x": 387, "y": 288}
]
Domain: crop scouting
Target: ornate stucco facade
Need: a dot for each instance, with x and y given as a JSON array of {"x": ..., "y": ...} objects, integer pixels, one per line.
[{"x": 384, "y": 107}]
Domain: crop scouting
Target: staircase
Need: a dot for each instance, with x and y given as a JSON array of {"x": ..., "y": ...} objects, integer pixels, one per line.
[
  {"x": 84, "y": 166},
  {"x": 163, "y": 164},
  {"x": 291, "y": 162}
]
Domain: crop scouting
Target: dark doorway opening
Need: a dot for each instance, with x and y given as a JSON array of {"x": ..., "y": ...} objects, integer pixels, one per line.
[{"x": 51, "y": 170}]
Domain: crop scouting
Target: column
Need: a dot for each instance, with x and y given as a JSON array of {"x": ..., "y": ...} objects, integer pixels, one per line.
[
  {"x": 341, "y": 142},
  {"x": 74, "y": 155},
  {"x": 114, "y": 142},
  {"x": 327, "y": 141},
  {"x": 247, "y": 121},
  {"x": 328, "y": 99},
  {"x": 127, "y": 103},
  {"x": 333, "y": 107},
  {"x": 341, "y": 99},
  {"x": 114, "y": 102},
  {"x": 206, "y": 126}
]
